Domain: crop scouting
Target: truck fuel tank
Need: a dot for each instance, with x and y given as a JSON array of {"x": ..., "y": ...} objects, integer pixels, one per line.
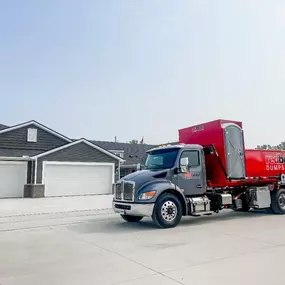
[{"x": 199, "y": 205}]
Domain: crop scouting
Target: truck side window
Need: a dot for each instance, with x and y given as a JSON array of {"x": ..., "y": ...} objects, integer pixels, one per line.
[{"x": 193, "y": 157}]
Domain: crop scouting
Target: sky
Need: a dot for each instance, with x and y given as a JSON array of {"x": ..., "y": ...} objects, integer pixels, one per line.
[{"x": 133, "y": 69}]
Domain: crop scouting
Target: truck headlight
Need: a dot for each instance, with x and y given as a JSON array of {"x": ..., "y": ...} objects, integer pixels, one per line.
[{"x": 147, "y": 195}]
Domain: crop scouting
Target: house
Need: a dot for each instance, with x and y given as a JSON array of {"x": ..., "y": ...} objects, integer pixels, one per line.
[
  {"x": 36, "y": 161},
  {"x": 134, "y": 155}
]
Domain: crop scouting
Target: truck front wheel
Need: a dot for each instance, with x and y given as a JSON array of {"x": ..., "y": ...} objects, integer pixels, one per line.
[
  {"x": 131, "y": 219},
  {"x": 278, "y": 202},
  {"x": 167, "y": 211}
]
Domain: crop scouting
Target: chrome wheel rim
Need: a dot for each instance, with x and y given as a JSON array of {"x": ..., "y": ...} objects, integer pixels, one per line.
[
  {"x": 169, "y": 211},
  {"x": 282, "y": 200}
]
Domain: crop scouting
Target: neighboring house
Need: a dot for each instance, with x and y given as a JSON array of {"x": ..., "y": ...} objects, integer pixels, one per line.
[
  {"x": 133, "y": 154},
  {"x": 46, "y": 163}
]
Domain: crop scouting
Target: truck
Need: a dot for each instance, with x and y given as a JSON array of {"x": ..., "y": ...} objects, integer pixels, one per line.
[{"x": 207, "y": 171}]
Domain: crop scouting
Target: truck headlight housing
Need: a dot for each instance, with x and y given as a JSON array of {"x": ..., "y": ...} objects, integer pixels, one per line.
[{"x": 147, "y": 195}]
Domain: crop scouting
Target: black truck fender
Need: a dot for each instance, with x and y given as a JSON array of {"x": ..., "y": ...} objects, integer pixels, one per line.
[{"x": 162, "y": 187}]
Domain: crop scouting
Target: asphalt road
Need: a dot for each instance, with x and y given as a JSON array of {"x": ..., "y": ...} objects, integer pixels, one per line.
[{"x": 97, "y": 247}]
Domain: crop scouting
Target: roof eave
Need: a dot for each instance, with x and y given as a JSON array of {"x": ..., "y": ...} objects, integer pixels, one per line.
[
  {"x": 15, "y": 158},
  {"x": 40, "y": 126},
  {"x": 77, "y": 142}
]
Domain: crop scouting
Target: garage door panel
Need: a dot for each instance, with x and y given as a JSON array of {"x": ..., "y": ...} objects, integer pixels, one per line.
[
  {"x": 77, "y": 179},
  {"x": 13, "y": 177}
]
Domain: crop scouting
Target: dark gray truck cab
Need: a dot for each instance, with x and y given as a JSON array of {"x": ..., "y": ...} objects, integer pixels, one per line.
[{"x": 172, "y": 184}]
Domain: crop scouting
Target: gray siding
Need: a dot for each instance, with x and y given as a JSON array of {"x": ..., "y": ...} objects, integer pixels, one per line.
[
  {"x": 17, "y": 139},
  {"x": 77, "y": 153},
  {"x": 13, "y": 152}
]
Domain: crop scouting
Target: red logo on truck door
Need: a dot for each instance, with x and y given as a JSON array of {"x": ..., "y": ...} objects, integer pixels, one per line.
[
  {"x": 192, "y": 175},
  {"x": 276, "y": 162}
]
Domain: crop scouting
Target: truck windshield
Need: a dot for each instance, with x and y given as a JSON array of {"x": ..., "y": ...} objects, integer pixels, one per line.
[{"x": 161, "y": 159}]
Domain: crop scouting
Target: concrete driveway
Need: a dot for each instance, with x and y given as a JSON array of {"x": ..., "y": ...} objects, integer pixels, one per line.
[{"x": 97, "y": 247}]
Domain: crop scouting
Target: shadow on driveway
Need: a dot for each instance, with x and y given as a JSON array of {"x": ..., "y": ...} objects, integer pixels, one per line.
[{"x": 116, "y": 225}]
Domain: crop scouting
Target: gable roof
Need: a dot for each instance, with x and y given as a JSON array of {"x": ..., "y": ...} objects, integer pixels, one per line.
[
  {"x": 77, "y": 142},
  {"x": 133, "y": 153},
  {"x": 38, "y": 125}
]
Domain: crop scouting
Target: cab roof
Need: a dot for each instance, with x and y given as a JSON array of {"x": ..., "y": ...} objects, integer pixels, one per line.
[{"x": 177, "y": 146}]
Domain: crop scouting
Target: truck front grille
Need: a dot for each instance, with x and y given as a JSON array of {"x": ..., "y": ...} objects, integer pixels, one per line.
[
  {"x": 118, "y": 191},
  {"x": 128, "y": 191},
  {"x": 124, "y": 191}
]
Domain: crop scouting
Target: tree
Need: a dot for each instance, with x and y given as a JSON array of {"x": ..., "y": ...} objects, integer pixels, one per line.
[
  {"x": 264, "y": 146},
  {"x": 134, "y": 142},
  {"x": 280, "y": 146}
]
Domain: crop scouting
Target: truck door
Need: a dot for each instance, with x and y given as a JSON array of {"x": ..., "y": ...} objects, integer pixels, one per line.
[
  {"x": 192, "y": 179},
  {"x": 234, "y": 149}
]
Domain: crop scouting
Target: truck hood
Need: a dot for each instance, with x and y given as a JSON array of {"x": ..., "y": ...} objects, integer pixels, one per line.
[{"x": 144, "y": 176}]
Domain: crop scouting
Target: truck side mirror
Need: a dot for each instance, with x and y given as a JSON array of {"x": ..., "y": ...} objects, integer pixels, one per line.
[
  {"x": 183, "y": 167},
  {"x": 184, "y": 161}
]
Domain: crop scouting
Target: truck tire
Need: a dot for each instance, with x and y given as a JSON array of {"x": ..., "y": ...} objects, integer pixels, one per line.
[
  {"x": 245, "y": 203},
  {"x": 131, "y": 219},
  {"x": 167, "y": 211},
  {"x": 278, "y": 202}
]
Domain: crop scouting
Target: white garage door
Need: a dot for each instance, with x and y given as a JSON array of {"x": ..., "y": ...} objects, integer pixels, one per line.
[
  {"x": 13, "y": 177},
  {"x": 70, "y": 179}
]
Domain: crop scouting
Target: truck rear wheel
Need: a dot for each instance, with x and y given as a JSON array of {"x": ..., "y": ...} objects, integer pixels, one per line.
[
  {"x": 167, "y": 211},
  {"x": 278, "y": 202},
  {"x": 131, "y": 219}
]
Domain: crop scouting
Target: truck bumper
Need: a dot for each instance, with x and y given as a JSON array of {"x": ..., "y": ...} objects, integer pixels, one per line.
[{"x": 143, "y": 210}]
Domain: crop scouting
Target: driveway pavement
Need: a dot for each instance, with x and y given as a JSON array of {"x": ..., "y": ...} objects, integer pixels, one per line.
[
  {"x": 30, "y": 206},
  {"x": 97, "y": 247}
]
